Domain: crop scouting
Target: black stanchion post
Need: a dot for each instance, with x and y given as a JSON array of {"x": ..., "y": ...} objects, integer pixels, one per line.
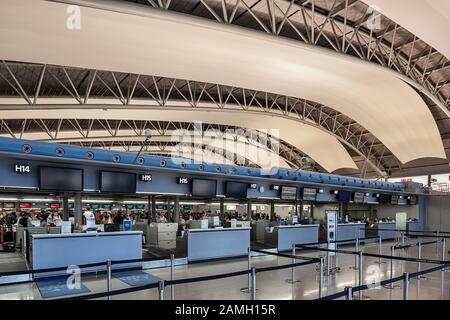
[
  {"x": 349, "y": 293},
  {"x": 109, "y": 277},
  {"x": 172, "y": 276},
  {"x": 321, "y": 278},
  {"x": 253, "y": 283},
  {"x": 161, "y": 289},
  {"x": 406, "y": 286}
]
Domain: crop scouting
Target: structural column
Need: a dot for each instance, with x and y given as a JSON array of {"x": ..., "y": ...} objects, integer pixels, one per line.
[
  {"x": 249, "y": 209},
  {"x": 153, "y": 205},
  {"x": 272, "y": 210},
  {"x": 78, "y": 210},
  {"x": 65, "y": 200},
  {"x": 222, "y": 209},
  {"x": 176, "y": 210}
]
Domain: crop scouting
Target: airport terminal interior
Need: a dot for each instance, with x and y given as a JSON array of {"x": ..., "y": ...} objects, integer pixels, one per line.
[{"x": 224, "y": 150}]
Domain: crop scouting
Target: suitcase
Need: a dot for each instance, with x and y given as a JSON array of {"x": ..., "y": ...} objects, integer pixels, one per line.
[{"x": 9, "y": 247}]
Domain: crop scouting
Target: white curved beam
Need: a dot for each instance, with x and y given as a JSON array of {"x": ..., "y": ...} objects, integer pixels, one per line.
[
  {"x": 256, "y": 152},
  {"x": 184, "y": 47},
  {"x": 326, "y": 150}
]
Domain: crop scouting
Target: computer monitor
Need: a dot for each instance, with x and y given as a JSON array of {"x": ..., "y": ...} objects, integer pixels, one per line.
[{"x": 109, "y": 227}]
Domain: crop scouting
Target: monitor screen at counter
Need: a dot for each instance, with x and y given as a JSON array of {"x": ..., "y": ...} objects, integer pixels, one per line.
[
  {"x": 117, "y": 182},
  {"x": 345, "y": 196},
  {"x": 204, "y": 188},
  {"x": 309, "y": 194},
  {"x": 288, "y": 193},
  {"x": 60, "y": 179},
  {"x": 237, "y": 190},
  {"x": 358, "y": 197}
]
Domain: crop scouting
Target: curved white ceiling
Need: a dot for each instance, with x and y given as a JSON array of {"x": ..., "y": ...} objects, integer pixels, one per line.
[
  {"x": 427, "y": 19},
  {"x": 128, "y": 38},
  {"x": 319, "y": 145}
]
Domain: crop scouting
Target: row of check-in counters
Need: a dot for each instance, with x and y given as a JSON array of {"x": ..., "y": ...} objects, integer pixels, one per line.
[{"x": 197, "y": 244}]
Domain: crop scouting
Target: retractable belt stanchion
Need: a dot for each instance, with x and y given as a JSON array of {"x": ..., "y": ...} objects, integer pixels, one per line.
[
  {"x": 419, "y": 256},
  {"x": 172, "y": 276},
  {"x": 293, "y": 280},
  {"x": 391, "y": 285},
  {"x": 253, "y": 283},
  {"x": 109, "y": 277},
  {"x": 406, "y": 286},
  {"x": 349, "y": 291},
  {"x": 161, "y": 289},
  {"x": 321, "y": 278},
  {"x": 356, "y": 257},
  {"x": 249, "y": 266},
  {"x": 360, "y": 278},
  {"x": 379, "y": 250}
]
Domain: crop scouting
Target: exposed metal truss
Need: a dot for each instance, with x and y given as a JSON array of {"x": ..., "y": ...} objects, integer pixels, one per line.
[
  {"x": 345, "y": 26},
  {"x": 35, "y": 85}
]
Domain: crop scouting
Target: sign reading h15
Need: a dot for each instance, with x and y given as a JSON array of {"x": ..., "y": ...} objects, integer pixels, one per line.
[
  {"x": 147, "y": 177},
  {"x": 22, "y": 168}
]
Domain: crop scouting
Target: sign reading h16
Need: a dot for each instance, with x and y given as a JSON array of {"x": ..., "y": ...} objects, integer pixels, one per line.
[
  {"x": 182, "y": 180},
  {"x": 145, "y": 177},
  {"x": 22, "y": 168}
]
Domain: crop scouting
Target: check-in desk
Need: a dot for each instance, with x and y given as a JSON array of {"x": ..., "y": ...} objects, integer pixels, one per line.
[
  {"x": 386, "y": 230},
  {"x": 61, "y": 250},
  {"x": 217, "y": 243},
  {"x": 350, "y": 231},
  {"x": 283, "y": 237},
  {"x": 414, "y": 226}
]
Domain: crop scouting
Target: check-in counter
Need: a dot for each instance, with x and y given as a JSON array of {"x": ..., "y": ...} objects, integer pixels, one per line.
[
  {"x": 386, "y": 230},
  {"x": 61, "y": 250},
  {"x": 217, "y": 243},
  {"x": 283, "y": 237},
  {"x": 414, "y": 226},
  {"x": 350, "y": 231}
]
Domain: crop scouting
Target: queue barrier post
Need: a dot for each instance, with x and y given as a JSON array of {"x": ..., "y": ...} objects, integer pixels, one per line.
[
  {"x": 161, "y": 289},
  {"x": 172, "y": 276},
  {"x": 360, "y": 277},
  {"x": 349, "y": 293},
  {"x": 356, "y": 257},
  {"x": 443, "y": 250},
  {"x": 437, "y": 244},
  {"x": 379, "y": 250},
  {"x": 253, "y": 283},
  {"x": 406, "y": 286},
  {"x": 391, "y": 285},
  {"x": 321, "y": 278},
  {"x": 419, "y": 264},
  {"x": 292, "y": 280},
  {"x": 109, "y": 277},
  {"x": 249, "y": 265}
]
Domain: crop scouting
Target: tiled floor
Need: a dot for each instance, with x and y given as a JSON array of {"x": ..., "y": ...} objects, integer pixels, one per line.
[{"x": 274, "y": 284}]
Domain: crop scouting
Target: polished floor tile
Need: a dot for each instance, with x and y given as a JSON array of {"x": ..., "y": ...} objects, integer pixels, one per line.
[{"x": 278, "y": 284}]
